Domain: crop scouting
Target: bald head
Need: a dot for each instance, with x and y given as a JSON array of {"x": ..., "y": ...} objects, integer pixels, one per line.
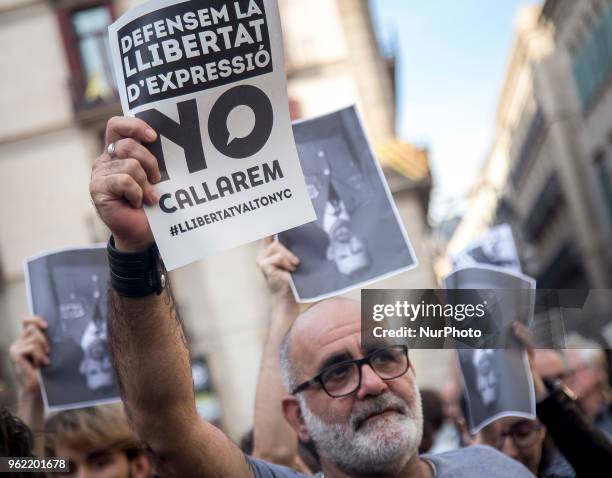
[
  {"x": 315, "y": 328},
  {"x": 364, "y": 409},
  {"x": 337, "y": 309},
  {"x": 549, "y": 363}
]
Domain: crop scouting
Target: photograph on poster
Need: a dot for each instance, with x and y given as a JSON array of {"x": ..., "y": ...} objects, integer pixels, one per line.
[
  {"x": 68, "y": 289},
  {"x": 358, "y": 236}
]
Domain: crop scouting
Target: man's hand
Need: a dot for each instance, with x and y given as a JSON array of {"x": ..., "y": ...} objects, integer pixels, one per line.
[
  {"x": 276, "y": 262},
  {"x": 29, "y": 353},
  {"x": 120, "y": 185},
  {"x": 522, "y": 333}
]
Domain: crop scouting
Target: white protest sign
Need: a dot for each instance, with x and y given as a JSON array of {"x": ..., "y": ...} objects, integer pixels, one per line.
[{"x": 208, "y": 76}]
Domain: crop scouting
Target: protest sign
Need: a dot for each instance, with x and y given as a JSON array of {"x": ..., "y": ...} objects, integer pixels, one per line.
[
  {"x": 208, "y": 77},
  {"x": 496, "y": 385},
  {"x": 68, "y": 288},
  {"x": 358, "y": 236},
  {"x": 495, "y": 247},
  {"x": 497, "y": 382}
]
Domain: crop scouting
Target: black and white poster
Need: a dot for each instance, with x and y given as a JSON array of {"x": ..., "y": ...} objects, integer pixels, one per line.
[
  {"x": 68, "y": 288},
  {"x": 208, "y": 76},
  {"x": 496, "y": 385},
  {"x": 497, "y": 382},
  {"x": 495, "y": 247},
  {"x": 358, "y": 236}
]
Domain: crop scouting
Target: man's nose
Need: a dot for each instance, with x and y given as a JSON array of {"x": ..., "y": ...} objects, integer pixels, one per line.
[{"x": 371, "y": 383}]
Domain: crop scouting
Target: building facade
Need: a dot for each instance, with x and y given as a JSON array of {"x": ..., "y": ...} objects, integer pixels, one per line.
[
  {"x": 548, "y": 169},
  {"x": 575, "y": 96},
  {"x": 57, "y": 92}
]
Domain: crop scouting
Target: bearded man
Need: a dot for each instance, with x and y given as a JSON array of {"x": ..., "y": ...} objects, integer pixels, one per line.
[{"x": 360, "y": 406}]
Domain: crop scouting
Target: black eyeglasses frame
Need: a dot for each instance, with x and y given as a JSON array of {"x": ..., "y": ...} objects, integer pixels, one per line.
[{"x": 317, "y": 379}]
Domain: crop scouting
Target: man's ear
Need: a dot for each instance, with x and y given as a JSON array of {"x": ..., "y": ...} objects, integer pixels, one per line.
[
  {"x": 293, "y": 415},
  {"x": 543, "y": 431},
  {"x": 140, "y": 466}
]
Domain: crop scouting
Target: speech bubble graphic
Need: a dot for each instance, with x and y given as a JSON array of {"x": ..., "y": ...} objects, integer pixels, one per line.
[
  {"x": 220, "y": 126},
  {"x": 240, "y": 122}
]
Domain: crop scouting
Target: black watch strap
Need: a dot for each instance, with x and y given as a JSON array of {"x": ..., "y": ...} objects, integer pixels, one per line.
[
  {"x": 559, "y": 390},
  {"x": 136, "y": 274}
]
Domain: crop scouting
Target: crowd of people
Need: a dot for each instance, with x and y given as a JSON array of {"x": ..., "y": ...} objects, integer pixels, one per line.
[{"x": 326, "y": 404}]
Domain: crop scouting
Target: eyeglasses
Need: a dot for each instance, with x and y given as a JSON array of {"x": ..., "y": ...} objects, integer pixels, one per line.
[
  {"x": 524, "y": 434},
  {"x": 344, "y": 378}
]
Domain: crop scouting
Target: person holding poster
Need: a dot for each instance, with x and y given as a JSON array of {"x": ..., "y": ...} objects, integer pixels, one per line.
[
  {"x": 97, "y": 441},
  {"x": 209, "y": 78},
  {"x": 560, "y": 443},
  {"x": 273, "y": 438},
  {"x": 28, "y": 354},
  {"x": 497, "y": 381},
  {"x": 68, "y": 288},
  {"x": 374, "y": 429},
  {"x": 358, "y": 236}
]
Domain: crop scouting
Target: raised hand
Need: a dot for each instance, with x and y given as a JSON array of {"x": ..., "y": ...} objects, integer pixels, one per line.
[
  {"x": 122, "y": 182},
  {"x": 523, "y": 334},
  {"x": 29, "y": 353},
  {"x": 276, "y": 262}
]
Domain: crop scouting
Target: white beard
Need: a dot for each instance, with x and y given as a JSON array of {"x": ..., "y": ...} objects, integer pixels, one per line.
[{"x": 383, "y": 445}]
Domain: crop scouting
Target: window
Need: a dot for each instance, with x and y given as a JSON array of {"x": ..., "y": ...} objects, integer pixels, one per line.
[
  {"x": 548, "y": 204},
  {"x": 592, "y": 59},
  {"x": 84, "y": 29},
  {"x": 526, "y": 150},
  {"x": 305, "y": 46},
  {"x": 605, "y": 179}
]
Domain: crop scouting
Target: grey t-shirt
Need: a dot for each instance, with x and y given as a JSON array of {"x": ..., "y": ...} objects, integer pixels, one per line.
[
  {"x": 472, "y": 462},
  {"x": 476, "y": 461}
]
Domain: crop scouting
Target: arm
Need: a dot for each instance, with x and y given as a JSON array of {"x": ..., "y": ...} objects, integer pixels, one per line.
[
  {"x": 585, "y": 447},
  {"x": 273, "y": 438},
  {"x": 29, "y": 353},
  {"x": 146, "y": 337},
  {"x": 152, "y": 363}
]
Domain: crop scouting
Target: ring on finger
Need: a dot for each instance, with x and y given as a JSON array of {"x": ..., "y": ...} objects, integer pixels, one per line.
[{"x": 111, "y": 150}]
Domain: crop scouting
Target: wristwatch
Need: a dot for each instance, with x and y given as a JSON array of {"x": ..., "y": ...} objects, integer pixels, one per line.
[
  {"x": 557, "y": 388},
  {"x": 136, "y": 274}
]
